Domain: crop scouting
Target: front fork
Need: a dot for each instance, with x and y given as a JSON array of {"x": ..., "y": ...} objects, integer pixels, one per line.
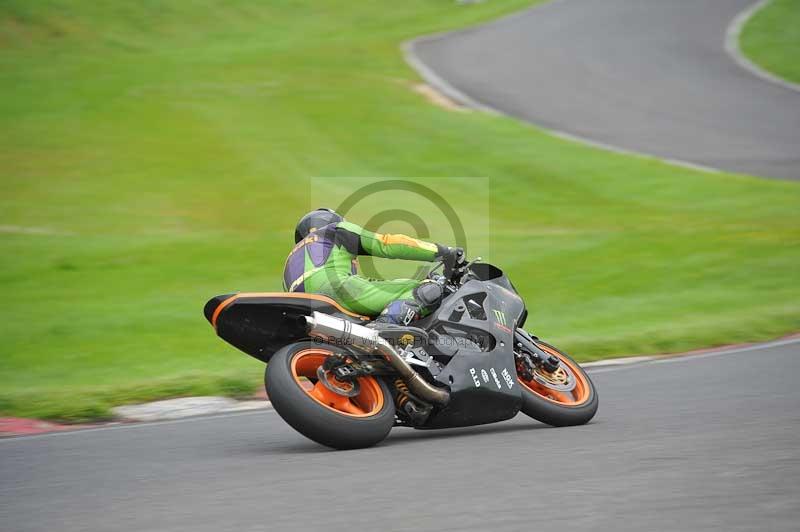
[{"x": 530, "y": 356}]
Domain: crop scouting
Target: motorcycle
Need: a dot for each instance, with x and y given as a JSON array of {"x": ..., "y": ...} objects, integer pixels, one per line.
[{"x": 345, "y": 382}]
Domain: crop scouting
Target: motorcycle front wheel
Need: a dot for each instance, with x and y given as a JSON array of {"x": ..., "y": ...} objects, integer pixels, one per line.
[
  {"x": 562, "y": 398},
  {"x": 337, "y": 414}
]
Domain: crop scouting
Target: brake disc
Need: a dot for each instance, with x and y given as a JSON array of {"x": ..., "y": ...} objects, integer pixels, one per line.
[
  {"x": 561, "y": 380},
  {"x": 347, "y": 389}
]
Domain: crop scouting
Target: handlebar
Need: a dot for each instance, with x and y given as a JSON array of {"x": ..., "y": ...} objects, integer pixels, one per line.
[{"x": 453, "y": 273}]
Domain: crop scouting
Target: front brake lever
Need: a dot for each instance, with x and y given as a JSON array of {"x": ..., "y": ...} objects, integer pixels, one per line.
[
  {"x": 432, "y": 271},
  {"x": 462, "y": 271},
  {"x": 468, "y": 265}
]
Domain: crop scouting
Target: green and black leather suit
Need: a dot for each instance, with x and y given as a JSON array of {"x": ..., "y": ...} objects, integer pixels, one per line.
[{"x": 325, "y": 262}]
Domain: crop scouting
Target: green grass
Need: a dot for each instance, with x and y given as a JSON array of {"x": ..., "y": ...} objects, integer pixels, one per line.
[
  {"x": 771, "y": 38},
  {"x": 156, "y": 153}
]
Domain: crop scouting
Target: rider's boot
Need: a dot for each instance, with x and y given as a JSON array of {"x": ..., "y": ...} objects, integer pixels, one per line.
[{"x": 400, "y": 312}]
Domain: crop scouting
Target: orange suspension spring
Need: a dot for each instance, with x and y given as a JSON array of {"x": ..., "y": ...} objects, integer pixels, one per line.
[{"x": 402, "y": 392}]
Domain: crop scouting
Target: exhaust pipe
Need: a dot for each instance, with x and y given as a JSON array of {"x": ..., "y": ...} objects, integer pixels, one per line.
[{"x": 330, "y": 328}]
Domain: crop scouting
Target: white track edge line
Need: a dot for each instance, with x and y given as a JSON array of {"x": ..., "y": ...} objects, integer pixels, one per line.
[
  {"x": 136, "y": 424},
  {"x": 438, "y": 83},
  {"x": 673, "y": 358},
  {"x": 732, "y": 37}
]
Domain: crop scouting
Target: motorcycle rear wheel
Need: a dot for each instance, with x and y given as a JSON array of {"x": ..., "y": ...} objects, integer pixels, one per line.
[
  {"x": 564, "y": 398},
  {"x": 360, "y": 416}
]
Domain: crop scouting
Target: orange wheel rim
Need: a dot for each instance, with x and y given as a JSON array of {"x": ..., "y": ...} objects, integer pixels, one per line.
[
  {"x": 368, "y": 402},
  {"x": 578, "y": 395}
]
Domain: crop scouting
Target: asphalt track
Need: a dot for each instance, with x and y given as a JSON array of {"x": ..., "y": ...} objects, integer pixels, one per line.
[
  {"x": 650, "y": 76},
  {"x": 700, "y": 443}
]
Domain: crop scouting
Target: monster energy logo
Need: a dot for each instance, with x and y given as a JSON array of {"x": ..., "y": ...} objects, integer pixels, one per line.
[{"x": 500, "y": 316}]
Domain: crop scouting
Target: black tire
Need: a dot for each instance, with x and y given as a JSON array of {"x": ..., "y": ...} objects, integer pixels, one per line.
[
  {"x": 560, "y": 415},
  {"x": 314, "y": 420}
]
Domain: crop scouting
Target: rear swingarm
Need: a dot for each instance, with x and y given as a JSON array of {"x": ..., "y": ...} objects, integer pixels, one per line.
[{"x": 345, "y": 369}]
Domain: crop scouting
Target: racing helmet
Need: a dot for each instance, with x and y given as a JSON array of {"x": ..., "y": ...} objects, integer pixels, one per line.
[{"x": 314, "y": 220}]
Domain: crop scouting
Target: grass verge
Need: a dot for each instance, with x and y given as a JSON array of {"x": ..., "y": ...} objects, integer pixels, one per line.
[
  {"x": 771, "y": 38},
  {"x": 155, "y": 154}
]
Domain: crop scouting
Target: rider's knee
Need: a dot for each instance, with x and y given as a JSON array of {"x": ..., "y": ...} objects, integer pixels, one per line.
[
  {"x": 427, "y": 298},
  {"x": 428, "y": 295}
]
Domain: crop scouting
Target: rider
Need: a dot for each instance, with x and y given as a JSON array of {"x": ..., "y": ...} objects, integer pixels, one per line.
[{"x": 323, "y": 261}]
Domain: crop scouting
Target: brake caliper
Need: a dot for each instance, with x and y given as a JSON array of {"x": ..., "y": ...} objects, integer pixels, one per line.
[
  {"x": 525, "y": 366},
  {"x": 350, "y": 371}
]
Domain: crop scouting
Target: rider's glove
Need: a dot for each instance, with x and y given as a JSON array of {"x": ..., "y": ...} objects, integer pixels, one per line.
[{"x": 453, "y": 260}]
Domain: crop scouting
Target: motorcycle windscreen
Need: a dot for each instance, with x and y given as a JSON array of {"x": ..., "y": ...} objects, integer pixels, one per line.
[
  {"x": 484, "y": 271},
  {"x": 487, "y": 272}
]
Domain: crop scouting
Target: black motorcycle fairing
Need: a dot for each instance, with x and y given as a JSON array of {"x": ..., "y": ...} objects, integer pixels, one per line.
[
  {"x": 261, "y": 323},
  {"x": 482, "y": 378},
  {"x": 402, "y": 335},
  {"x": 479, "y": 313},
  {"x": 483, "y": 271}
]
